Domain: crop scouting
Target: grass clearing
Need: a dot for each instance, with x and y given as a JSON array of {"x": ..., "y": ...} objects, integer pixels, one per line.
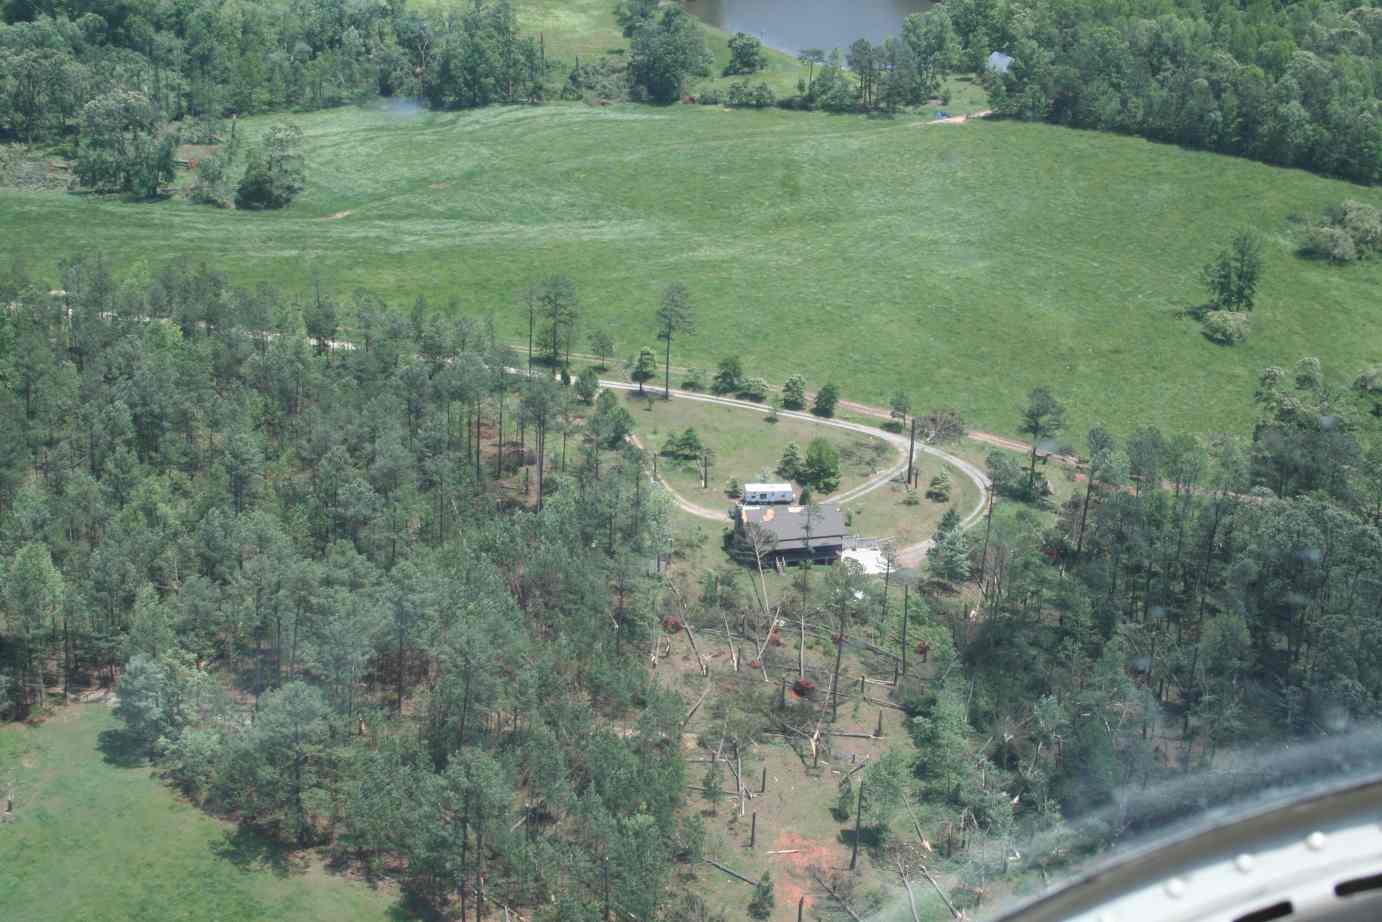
[
  {"x": 964, "y": 263},
  {"x": 885, "y": 514},
  {"x": 99, "y": 836},
  {"x": 746, "y": 447}
]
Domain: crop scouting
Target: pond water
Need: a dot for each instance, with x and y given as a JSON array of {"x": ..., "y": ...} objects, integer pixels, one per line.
[{"x": 791, "y": 25}]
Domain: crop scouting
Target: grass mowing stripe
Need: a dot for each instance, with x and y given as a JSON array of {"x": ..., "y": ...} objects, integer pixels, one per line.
[{"x": 964, "y": 263}]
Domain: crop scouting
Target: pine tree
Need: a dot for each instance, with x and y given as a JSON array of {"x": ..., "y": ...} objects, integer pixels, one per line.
[
  {"x": 949, "y": 557},
  {"x": 790, "y": 465},
  {"x": 761, "y": 906},
  {"x": 712, "y": 787}
]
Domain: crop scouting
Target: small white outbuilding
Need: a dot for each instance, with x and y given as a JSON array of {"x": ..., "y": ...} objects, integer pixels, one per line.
[{"x": 768, "y": 494}]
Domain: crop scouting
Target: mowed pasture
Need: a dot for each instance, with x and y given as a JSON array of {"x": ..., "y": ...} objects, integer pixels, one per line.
[
  {"x": 98, "y": 835},
  {"x": 963, "y": 263}
]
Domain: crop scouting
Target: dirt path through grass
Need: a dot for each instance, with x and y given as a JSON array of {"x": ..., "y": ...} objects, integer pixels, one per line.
[{"x": 907, "y": 556}]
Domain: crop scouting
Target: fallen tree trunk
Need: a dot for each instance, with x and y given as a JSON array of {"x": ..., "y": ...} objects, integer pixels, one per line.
[
  {"x": 705, "y": 670},
  {"x": 730, "y": 871},
  {"x": 695, "y": 707},
  {"x": 836, "y": 897}
]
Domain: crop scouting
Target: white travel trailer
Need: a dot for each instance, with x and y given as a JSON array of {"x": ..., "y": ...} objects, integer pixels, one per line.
[{"x": 768, "y": 494}]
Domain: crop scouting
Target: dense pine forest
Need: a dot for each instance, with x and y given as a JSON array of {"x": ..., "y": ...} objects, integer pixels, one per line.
[
  {"x": 374, "y": 591},
  {"x": 362, "y": 586},
  {"x": 330, "y": 613}
]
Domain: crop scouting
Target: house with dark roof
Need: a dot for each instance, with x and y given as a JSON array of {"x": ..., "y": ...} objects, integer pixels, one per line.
[{"x": 790, "y": 534}]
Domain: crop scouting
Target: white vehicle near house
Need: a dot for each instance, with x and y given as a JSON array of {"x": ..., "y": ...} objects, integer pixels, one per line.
[{"x": 768, "y": 494}]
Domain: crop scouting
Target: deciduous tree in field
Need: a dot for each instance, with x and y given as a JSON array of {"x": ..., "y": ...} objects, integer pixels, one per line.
[
  {"x": 275, "y": 172},
  {"x": 674, "y": 315},
  {"x": 124, "y": 146},
  {"x": 940, "y": 425},
  {"x": 587, "y": 385},
  {"x": 729, "y": 377},
  {"x": 1233, "y": 275},
  {"x": 643, "y": 368},
  {"x": 745, "y": 55},
  {"x": 826, "y": 400},
  {"x": 794, "y": 393},
  {"x": 603, "y": 346},
  {"x": 666, "y": 49},
  {"x": 631, "y": 14}
]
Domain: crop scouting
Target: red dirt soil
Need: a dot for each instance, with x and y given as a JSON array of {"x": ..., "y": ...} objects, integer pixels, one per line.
[{"x": 796, "y": 882}]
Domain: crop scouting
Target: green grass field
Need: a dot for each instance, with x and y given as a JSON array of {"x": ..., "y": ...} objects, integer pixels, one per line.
[
  {"x": 884, "y": 514},
  {"x": 746, "y": 447},
  {"x": 98, "y": 836},
  {"x": 965, "y": 263}
]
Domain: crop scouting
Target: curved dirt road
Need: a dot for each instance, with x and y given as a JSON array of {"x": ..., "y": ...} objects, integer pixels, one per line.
[{"x": 906, "y": 556}]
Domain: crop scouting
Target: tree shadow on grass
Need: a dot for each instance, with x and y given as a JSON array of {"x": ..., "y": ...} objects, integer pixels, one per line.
[
  {"x": 121, "y": 748},
  {"x": 413, "y": 907},
  {"x": 1196, "y": 312},
  {"x": 251, "y": 849},
  {"x": 871, "y": 839}
]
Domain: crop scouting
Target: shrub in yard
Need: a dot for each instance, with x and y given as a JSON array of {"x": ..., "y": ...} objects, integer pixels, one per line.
[
  {"x": 729, "y": 377},
  {"x": 755, "y": 389},
  {"x": 686, "y": 446},
  {"x": 826, "y": 399},
  {"x": 1350, "y": 231},
  {"x": 1226, "y": 327},
  {"x": 794, "y": 393},
  {"x": 1331, "y": 243},
  {"x": 694, "y": 380}
]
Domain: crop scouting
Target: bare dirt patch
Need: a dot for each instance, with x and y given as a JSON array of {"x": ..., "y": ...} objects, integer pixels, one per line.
[
  {"x": 794, "y": 878},
  {"x": 338, "y": 215},
  {"x": 192, "y": 153},
  {"x": 959, "y": 119},
  {"x": 439, "y": 185}
]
